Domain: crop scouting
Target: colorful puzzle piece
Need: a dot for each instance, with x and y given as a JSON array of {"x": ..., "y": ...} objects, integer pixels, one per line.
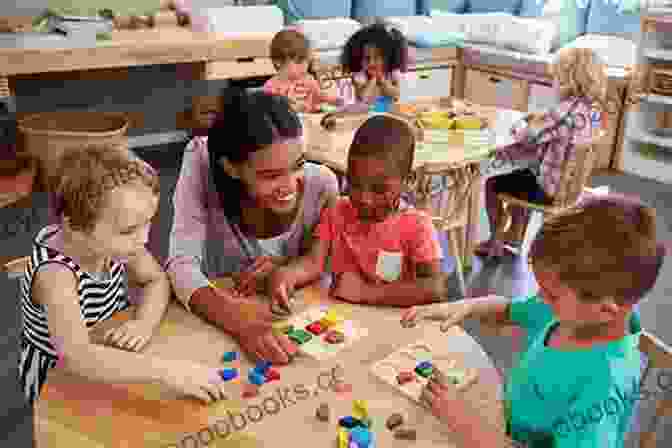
[
  {"x": 343, "y": 438},
  {"x": 334, "y": 337},
  {"x": 228, "y": 374},
  {"x": 300, "y": 336},
  {"x": 361, "y": 436},
  {"x": 322, "y": 321},
  {"x": 262, "y": 367},
  {"x": 272, "y": 375},
  {"x": 230, "y": 356},
  {"x": 360, "y": 410},
  {"x": 316, "y": 328},
  {"x": 409, "y": 368},
  {"x": 256, "y": 378}
]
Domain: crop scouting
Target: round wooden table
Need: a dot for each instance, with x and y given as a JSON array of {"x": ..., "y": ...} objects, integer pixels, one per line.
[{"x": 79, "y": 413}]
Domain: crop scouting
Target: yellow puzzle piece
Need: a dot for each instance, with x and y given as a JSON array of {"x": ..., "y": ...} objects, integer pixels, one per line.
[
  {"x": 332, "y": 318},
  {"x": 360, "y": 410},
  {"x": 343, "y": 438}
]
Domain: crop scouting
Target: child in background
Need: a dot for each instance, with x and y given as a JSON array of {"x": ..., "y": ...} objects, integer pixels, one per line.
[
  {"x": 291, "y": 56},
  {"x": 382, "y": 251},
  {"x": 547, "y": 140},
  {"x": 75, "y": 279},
  {"x": 593, "y": 265},
  {"x": 375, "y": 56}
]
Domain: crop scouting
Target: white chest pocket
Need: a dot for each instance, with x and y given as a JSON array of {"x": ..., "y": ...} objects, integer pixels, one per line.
[{"x": 389, "y": 265}]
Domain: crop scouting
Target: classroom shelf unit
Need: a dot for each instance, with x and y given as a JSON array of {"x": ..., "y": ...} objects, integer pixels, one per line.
[{"x": 647, "y": 147}]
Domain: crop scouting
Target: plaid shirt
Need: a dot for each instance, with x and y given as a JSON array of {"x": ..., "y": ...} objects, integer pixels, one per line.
[{"x": 564, "y": 127}]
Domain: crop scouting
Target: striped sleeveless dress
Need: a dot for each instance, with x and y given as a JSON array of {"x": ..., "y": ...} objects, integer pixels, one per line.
[{"x": 99, "y": 299}]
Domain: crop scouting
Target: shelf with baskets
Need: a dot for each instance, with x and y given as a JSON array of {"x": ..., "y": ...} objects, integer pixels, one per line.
[{"x": 647, "y": 146}]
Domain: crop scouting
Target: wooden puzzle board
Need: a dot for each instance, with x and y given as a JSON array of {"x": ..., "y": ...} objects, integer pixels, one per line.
[
  {"x": 317, "y": 347},
  {"x": 407, "y": 358}
]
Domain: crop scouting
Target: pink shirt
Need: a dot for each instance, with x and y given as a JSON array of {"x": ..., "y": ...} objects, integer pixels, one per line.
[
  {"x": 305, "y": 91},
  {"x": 386, "y": 251},
  {"x": 203, "y": 243}
]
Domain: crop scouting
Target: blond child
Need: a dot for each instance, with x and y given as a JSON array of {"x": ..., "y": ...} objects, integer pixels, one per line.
[
  {"x": 75, "y": 279},
  {"x": 291, "y": 56},
  {"x": 382, "y": 251},
  {"x": 582, "y": 361},
  {"x": 546, "y": 140}
]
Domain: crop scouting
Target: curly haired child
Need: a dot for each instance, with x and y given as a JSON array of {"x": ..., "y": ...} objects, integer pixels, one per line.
[
  {"x": 544, "y": 141},
  {"x": 76, "y": 274},
  {"x": 375, "y": 56},
  {"x": 382, "y": 250},
  {"x": 291, "y": 56}
]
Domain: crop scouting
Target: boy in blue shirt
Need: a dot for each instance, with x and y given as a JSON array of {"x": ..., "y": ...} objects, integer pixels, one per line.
[{"x": 577, "y": 379}]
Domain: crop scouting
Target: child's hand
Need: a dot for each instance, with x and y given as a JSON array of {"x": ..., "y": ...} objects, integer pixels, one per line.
[
  {"x": 195, "y": 380},
  {"x": 131, "y": 335},
  {"x": 350, "y": 286},
  {"x": 444, "y": 401},
  {"x": 448, "y": 313}
]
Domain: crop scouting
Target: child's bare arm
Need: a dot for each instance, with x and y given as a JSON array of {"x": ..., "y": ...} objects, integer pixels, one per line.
[
  {"x": 491, "y": 310},
  {"x": 430, "y": 286},
  {"x": 56, "y": 288},
  {"x": 145, "y": 272}
]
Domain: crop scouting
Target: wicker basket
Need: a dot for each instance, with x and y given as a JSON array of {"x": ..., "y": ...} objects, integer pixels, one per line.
[{"x": 46, "y": 136}]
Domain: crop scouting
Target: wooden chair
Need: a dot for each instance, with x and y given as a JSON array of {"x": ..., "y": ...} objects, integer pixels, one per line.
[
  {"x": 659, "y": 357},
  {"x": 449, "y": 207},
  {"x": 573, "y": 180}
]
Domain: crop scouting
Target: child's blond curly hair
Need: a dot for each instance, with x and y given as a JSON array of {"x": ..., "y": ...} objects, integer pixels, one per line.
[
  {"x": 85, "y": 175},
  {"x": 581, "y": 73}
]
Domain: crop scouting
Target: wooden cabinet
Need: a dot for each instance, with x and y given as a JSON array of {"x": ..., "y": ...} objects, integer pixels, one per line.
[
  {"x": 490, "y": 89},
  {"x": 428, "y": 82}
]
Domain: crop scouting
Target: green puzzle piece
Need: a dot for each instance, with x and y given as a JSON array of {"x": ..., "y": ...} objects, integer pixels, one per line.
[
  {"x": 300, "y": 336},
  {"x": 424, "y": 372}
]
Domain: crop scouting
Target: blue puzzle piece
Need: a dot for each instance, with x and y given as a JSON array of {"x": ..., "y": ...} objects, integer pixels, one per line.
[
  {"x": 362, "y": 437},
  {"x": 230, "y": 356},
  {"x": 262, "y": 367},
  {"x": 349, "y": 422},
  {"x": 228, "y": 374},
  {"x": 424, "y": 365},
  {"x": 256, "y": 378}
]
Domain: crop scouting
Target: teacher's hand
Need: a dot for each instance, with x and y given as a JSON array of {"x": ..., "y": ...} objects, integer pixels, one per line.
[
  {"x": 255, "y": 333},
  {"x": 253, "y": 279}
]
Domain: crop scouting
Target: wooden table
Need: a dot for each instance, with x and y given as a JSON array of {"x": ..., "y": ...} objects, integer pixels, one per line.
[
  {"x": 331, "y": 149},
  {"x": 76, "y": 413},
  {"x": 198, "y": 56}
]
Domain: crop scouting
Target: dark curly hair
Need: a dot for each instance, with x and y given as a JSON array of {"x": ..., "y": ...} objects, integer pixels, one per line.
[
  {"x": 390, "y": 41},
  {"x": 248, "y": 123}
]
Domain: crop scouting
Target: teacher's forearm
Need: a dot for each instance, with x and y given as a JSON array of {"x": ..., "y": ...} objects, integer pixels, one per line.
[{"x": 215, "y": 309}]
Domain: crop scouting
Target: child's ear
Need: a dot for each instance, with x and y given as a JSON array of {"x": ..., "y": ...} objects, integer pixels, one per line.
[{"x": 229, "y": 168}]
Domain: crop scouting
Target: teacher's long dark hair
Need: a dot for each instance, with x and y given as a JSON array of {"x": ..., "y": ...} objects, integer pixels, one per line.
[{"x": 249, "y": 122}]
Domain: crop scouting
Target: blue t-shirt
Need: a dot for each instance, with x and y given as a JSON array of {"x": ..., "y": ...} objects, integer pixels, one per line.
[{"x": 579, "y": 397}]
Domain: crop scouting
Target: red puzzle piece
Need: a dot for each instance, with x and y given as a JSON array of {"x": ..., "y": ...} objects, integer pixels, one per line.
[
  {"x": 316, "y": 328},
  {"x": 272, "y": 375}
]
